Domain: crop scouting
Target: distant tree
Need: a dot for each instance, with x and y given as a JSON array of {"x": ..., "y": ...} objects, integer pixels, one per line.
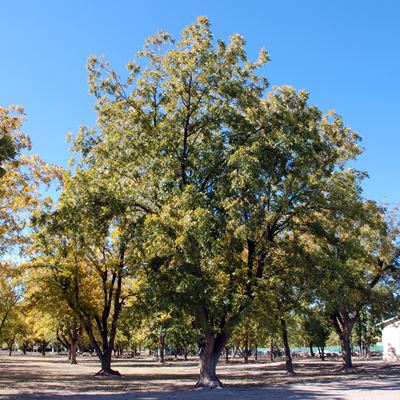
[
  {"x": 317, "y": 329},
  {"x": 68, "y": 333},
  {"x": 21, "y": 177},
  {"x": 14, "y": 329}
]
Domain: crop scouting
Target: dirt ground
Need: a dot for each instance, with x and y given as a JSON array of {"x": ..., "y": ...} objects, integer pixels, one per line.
[{"x": 51, "y": 377}]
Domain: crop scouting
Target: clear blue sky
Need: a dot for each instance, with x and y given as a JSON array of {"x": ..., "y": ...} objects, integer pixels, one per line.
[{"x": 346, "y": 53}]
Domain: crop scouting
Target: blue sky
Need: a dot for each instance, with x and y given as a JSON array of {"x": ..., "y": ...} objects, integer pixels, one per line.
[{"x": 345, "y": 53}]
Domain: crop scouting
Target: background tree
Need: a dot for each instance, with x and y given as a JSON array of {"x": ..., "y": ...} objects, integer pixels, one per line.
[
  {"x": 85, "y": 247},
  {"x": 21, "y": 177},
  {"x": 357, "y": 254},
  {"x": 317, "y": 329},
  {"x": 69, "y": 332}
]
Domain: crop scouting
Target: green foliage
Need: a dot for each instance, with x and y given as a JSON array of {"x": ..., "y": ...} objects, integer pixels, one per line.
[{"x": 317, "y": 328}]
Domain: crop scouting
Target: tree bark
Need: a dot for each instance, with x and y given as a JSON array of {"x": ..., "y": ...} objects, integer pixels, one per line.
[
  {"x": 311, "y": 350},
  {"x": 106, "y": 369},
  {"x": 43, "y": 349},
  {"x": 346, "y": 351},
  {"x": 246, "y": 350},
  {"x": 75, "y": 336},
  {"x": 209, "y": 356},
  {"x": 74, "y": 347},
  {"x": 162, "y": 349},
  {"x": 271, "y": 350},
  {"x": 289, "y": 362},
  {"x": 343, "y": 324},
  {"x": 226, "y": 354}
]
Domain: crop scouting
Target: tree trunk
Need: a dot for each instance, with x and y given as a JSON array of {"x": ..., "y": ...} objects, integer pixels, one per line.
[
  {"x": 162, "y": 349},
  {"x": 343, "y": 324},
  {"x": 74, "y": 347},
  {"x": 246, "y": 350},
  {"x": 235, "y": 350},
  {"x": 209, "y": 356},
  {"x": 256, "y": 353},
  {"x": 311, "y": 350},
  {"x": 346, "y": 351},
  {"x": 226, "y": 354},
  {"x": 106, "y": 369},
  {"x": 289, "y": 362},
  {"x": 271, "y": 350},
  {"x": 323, "y": 353},
  {"x": 208, "y": 373}
]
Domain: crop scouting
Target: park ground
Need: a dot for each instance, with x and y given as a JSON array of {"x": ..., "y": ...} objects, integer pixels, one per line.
[{"x": 52, "y": 378}]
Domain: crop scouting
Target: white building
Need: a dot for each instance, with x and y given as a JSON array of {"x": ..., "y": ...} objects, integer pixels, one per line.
[{"x": 391, "y": 339}]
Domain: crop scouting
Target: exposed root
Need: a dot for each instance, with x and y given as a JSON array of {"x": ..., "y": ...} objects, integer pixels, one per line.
[
  {"x": 209, "y": 383},
  {"x": 108, "y": 372}
]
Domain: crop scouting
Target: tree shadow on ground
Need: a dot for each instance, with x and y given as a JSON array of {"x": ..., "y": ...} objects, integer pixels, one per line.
[
  {"x": 273, "y": 392},
  {"x": 26, "y": 380}
]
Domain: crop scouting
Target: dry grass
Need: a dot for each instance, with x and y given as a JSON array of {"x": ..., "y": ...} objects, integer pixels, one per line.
[{"x": 33, "y": 374}]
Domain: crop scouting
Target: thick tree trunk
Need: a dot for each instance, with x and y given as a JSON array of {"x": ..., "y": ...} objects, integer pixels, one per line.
[
  {"x": 346, "y": 351},
  {"x": 209, "y": 356},
  {"x": 343, "y": 324},
  {"x": 106, "y": 369},
  {"x": 208, "y": 373},
  {"x": 289, "y": 362}
]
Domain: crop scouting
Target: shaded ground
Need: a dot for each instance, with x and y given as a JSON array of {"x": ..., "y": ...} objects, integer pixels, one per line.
[{"x": 51, "y": 377}]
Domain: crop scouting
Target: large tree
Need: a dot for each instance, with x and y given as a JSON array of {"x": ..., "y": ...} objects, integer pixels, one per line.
[{"x": 220, "y": 170}]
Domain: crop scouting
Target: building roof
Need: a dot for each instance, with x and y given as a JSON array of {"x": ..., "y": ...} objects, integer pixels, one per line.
[{"x": 389, "y": 321}]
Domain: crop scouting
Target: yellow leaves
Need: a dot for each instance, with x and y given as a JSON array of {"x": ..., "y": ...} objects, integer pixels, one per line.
[{"x": 22, "y": 177}]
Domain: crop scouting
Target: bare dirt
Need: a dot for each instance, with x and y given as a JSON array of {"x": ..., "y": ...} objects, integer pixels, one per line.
[{"x": 51, "y": 377}]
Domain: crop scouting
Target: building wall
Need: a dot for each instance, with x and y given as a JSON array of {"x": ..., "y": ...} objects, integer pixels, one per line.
[{"x": 391, "y": 342}]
